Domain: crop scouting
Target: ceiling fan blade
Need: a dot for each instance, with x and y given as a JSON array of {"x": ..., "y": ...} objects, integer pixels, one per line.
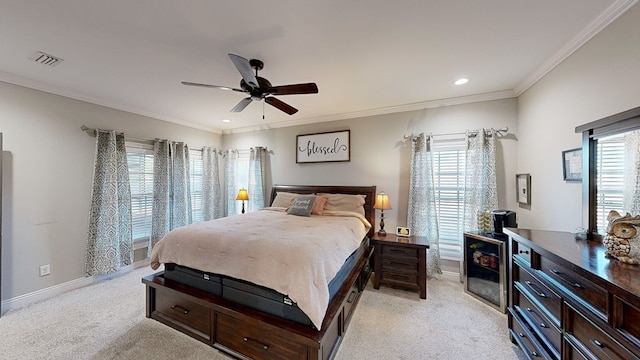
[
  {"x": 242, "y": 104},
  {"x": 211, "y": 86},
  {"x": 245, "y": 70},
  {"x": 280, "y": 105},
  {"x": 308, "y": 88}
]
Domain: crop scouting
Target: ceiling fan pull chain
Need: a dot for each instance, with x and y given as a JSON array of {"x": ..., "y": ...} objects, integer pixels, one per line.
[{"x": 263, "y": 110}]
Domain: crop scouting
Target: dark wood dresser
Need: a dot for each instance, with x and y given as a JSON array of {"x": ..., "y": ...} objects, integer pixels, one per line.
[{"x": 568, "y": 301}]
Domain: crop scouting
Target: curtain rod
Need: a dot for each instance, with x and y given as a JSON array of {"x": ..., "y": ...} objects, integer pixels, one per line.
[
  {"x": 500, "y": 132},
  {"x": 92, "y": 132}
]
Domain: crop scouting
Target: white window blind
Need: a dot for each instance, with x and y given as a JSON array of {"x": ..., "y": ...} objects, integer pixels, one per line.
[
  {"x": 449, "y": 176},
  {"x": 609, "y": 178},
  {"x": 140, "y": 162},
  {"x": 196, "y": 171}
]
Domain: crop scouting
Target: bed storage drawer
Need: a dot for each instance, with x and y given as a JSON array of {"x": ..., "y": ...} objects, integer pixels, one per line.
[
  {"x": 178, "y": 311},
  {"x": 256, "y": 341}
]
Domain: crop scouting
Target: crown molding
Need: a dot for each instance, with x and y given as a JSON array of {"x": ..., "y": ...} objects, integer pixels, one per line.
[
  {"x": 37, "y": 85},
  {"x": 616, "y": 9},
  {"x": 496, "y": 95}
]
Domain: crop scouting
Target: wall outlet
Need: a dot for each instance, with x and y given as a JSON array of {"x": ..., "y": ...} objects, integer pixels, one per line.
[{"x": 45, "y": 270}]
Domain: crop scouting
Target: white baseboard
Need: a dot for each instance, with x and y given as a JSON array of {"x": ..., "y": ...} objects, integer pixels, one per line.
[{"x": 47, "y": 293}]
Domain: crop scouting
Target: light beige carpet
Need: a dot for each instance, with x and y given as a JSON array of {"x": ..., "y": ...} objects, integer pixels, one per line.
[{"x": 106, "y": 321}]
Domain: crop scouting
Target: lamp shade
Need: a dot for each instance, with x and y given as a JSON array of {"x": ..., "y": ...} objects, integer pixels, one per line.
[
  {"x": 242, "y": 195},
  {"x": 382, "y": 202}
]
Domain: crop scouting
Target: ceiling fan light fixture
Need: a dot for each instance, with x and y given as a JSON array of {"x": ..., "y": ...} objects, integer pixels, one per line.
[{"x": 461, "y": 81}]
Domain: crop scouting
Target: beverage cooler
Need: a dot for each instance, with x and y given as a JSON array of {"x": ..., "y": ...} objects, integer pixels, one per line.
[{"x": 485, "y": 268}]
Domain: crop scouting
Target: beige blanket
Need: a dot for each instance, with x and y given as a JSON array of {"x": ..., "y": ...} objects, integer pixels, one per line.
[{"x": 294, "y": 255}]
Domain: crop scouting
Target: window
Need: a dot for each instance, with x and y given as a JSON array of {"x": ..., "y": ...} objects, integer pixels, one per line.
[
  {"x": 448, "y": 177},
  {"x": 609, "y": 178},
  {"x": 196, "y": 172},
  {"x": 140, "y": 162}
]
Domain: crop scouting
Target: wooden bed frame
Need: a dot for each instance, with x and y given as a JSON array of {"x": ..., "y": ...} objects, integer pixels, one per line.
[{"x": 246, "y": 333}]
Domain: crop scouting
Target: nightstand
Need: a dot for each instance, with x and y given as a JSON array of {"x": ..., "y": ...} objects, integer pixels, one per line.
[{"x": 401, "y": 262}]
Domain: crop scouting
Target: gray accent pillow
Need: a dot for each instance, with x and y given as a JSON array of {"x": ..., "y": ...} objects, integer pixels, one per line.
[{"x": 302, "y": 206}]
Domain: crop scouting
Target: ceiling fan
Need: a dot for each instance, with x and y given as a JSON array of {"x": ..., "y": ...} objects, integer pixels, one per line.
[{"x": 260, "y": 88}]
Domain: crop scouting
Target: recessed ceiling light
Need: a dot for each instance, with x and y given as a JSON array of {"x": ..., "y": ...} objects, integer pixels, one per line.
[
  {"x": 226, "y": 120},
  {"x": 461, "y": 81}
]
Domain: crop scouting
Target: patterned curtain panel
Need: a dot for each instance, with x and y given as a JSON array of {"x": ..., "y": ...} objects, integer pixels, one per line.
[
  {"x": 422, "y": 216},
  {"x": 180, "y": 194},
  {"x": 171, "y": 189},
  {"x": 211, "y": 193},
  {"x": 109, "y": 245},
  {"x": 480, "y": 191},
  {"x": 631, "y": 191},
  {"x": 257, "y": 163},
  {"x": 230, "y": 185}
]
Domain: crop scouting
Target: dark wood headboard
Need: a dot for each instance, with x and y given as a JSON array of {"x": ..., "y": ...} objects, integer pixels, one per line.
[{"x": 369, "y": 191}]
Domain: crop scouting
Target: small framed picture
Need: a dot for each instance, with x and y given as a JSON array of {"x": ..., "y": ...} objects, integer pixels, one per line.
[
  {"x": 572, "y": 165},
  {"x": 403, "y": 231},
  {"x": 523, "y": 188}
]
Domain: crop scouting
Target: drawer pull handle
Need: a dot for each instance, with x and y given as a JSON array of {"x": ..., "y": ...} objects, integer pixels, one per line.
[
  {"x": 181, "y": 309},
  {"x": 534, "y": 314},
  {"x": 264, "y": 347},
  {"x": 352, "y": 297},
  {"x": 524, "y": 252},
  {"x": 602, "y": 348},
  {"x": 534, "y": 353},
  {"x": 535, "y": 288},
  {"x": 572, "y": 283},
  {"x": 521, "y": 334}
]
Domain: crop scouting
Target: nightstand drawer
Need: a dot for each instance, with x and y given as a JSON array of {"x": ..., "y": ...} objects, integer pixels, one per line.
[
  {"x": 401, "y": 265},
  {"x": 400, "y": 251},
  {"x": 400, "y": 277}
]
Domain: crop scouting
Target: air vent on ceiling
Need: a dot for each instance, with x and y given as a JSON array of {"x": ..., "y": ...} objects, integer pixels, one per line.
[{"x": 45, "y": 59}]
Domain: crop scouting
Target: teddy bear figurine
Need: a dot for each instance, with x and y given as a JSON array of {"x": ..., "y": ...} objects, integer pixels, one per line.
[{"x": 623, "y": 237}]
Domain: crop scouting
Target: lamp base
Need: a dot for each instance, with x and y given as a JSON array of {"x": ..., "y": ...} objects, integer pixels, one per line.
[{"x": 381, "y": 232}]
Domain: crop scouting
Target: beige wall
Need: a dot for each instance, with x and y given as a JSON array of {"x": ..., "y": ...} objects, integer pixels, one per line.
[
  {"x": 602, "y": 78},
  {"x": 47, "y": 174},
  {"x": 380, "y": 157}
]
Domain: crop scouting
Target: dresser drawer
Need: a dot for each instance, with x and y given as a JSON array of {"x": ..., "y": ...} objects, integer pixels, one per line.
[
  {"x": 527, "y": 342},
  {"x": 549, "y": 300},
  {"x": 398, "y": 264},
  {"x": 583, "y": 289},
  {"x": 627, "y": 320},
  {"x": 184, "y": 313},
  {"x": 550, "y": 336},
  {"x": 521, "y": 252},
  {"x": 593, "y": 338},
  {"x": 399, "y": 251},
  {"x": 255, "y": 341}
]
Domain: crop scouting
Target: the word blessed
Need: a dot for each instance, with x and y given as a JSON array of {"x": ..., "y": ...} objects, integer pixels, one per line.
[{"x": 313, "y": 149}]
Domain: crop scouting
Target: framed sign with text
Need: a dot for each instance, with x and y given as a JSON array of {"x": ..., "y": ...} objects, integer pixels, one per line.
[{"x": 323, "y": 147}]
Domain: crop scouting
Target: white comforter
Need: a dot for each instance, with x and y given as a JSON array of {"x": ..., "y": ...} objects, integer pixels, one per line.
[{"x": 294, "y": 255}]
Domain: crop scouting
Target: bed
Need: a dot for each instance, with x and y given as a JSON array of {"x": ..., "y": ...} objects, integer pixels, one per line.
[{"x": 249, "y": 317}]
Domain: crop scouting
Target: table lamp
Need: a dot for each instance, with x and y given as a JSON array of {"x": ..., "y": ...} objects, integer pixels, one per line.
[
  {"x": 242, "y": 195},
  {"x": 382, "y": 203}
]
